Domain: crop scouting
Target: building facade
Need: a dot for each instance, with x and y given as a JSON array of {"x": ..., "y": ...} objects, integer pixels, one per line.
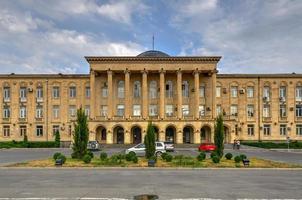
[{"x": 180, "y": 95}]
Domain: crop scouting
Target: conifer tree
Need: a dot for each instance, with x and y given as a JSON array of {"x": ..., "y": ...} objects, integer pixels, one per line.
[
  {"x": 219, "y": 136},
  {"x": 150, "y": 141}
]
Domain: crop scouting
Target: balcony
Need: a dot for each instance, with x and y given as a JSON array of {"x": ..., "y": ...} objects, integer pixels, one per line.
[
  {"x": 153, "y": 117},
  {"x": 6, "y": 100},
  {"x": 39, "y": 100},
  {"x": 119, "y": 117},
  {"x": 188, "y": 117},
  {"x": 6, "y": 120},
  {"x": 135, "y": 117},
  {"x": 39, "y": 119},
  {"x": 23, "y": 99},
  {"x": 22, "y": 119},
  {"x": 267, "y": 119},
  {"x": 170, "y": 116}
]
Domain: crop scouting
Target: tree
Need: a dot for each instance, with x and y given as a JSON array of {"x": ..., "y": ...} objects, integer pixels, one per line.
[
  {"x": 219, "y": 136},
  {"x": 57, "y": 139},
  {"x": 80, "y": 136},
  {"x": 150, "y": 141}
]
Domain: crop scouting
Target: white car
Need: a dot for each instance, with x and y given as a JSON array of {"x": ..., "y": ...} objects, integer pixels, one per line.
[{"x": 140, "y": 149}]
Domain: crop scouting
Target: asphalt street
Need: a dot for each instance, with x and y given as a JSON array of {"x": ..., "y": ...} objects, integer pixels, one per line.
[{"x": 166, "y": 183}]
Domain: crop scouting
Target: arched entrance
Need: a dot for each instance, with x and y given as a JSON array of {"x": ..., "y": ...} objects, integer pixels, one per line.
[
  {"x": 118, "y": 135},
  {"x": 171, "y": 134},
  {"x": 187, "y": 134},
  {"x": 227, "y": 135},
  {"x": 136, "y": 135},
  {"x": 101, "y": 135},
  {"x": 205, "y": 134}
]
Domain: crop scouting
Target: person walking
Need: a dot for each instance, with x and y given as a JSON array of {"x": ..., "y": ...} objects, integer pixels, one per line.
[{"x": 238, "y": 144}]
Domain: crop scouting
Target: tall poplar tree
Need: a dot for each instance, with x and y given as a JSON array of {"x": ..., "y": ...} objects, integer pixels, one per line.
[
  {"x": 219, "y": 136},
  {"x": 150, "y": 141}
]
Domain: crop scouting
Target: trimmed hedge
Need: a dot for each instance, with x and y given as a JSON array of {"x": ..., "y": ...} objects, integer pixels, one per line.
[
  {"x": 21, "y": 144},
  {"x": 274, "y": 145}
]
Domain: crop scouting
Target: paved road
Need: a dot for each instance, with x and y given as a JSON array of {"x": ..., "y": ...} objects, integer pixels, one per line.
[{"x": 167, "y": 184}]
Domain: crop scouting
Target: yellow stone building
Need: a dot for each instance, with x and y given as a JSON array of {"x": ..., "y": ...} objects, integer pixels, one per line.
[{"x": 180, "y": 95}]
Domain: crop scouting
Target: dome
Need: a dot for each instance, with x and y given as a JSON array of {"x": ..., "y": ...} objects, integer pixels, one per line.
[{"x": 153, "y": 53}]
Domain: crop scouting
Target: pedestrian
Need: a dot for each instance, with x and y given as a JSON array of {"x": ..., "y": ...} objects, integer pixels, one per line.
[{"x": 238, "y": 144}]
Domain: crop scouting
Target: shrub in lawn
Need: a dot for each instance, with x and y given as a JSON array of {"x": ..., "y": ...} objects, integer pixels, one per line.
[
  {"x": 87, "y": 158},
  {"x": 201, "y": 156},
  {"x": 90, "y": 153},
  {"x": 56, "y": 155},
  {"x": 237, "y": 159},
  {"x": 132, "y": 153},
  {"x": 214, "y": 154},
  {"x": 215, "y": 159},
  {"x": 73, "y": 156},
  {"x": 135, "y": 159},
  {"x": 228, "y": 156},
  {"x": 163, "y": 155},
  {"x": 242, "y": 157},
  {"x": 103, "y": 156},
  {"x": 129, "y": 157},
  {"x": 169, "y": 158},
  {"x": 178, "y": 157},
  {"x": 62, "y": 157}
]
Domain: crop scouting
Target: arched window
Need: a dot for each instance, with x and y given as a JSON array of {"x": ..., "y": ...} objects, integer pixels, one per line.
[
  {"x": 185, "y": 89},
  {"x": 169, "y": 89},
  {"x": 121, "y": 89},
  {"x": 137, "y": 89},
  {"x": 153, "y": 90}
]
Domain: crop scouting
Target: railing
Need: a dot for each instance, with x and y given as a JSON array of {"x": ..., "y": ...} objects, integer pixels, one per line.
[
  {"x": 23, "y": 99},
  {"x": 188, "y": 117},
  {"x": 39, "y": 100},
  {"x": 39, "y": 119},
  {"x": 6, "y": 100}
]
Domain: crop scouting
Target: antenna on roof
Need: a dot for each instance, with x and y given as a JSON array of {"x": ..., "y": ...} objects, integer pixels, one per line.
[{"x": 153, "y": 41}]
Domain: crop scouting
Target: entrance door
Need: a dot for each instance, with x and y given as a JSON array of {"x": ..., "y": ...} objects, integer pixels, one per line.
[
  {"x": 137, "y": 135},
  {"x": 170, "y": 134},
  {"x": 187, "y": 135},
  {"x": 120, "y": 136}
]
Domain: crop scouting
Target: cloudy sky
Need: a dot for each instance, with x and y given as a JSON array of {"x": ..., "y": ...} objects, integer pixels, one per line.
[{"x": 252, "y": 36}]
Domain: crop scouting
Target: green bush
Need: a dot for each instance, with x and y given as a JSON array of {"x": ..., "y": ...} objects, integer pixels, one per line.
[
  {"x": 90, "y": 153},
  {"x": 56, "y": 155},
  {"x": 22, "y": 144},
  {"x": 213, "y": 154},
  {"x": 103, "y": 156},
  {"x": 135, "y": 159},
  {"x": 237, "y": 159},
  {"x": 132, "y": 153},
  {"x": 229, "y": 156},
  {"x": 242, "y": 157},
  {"x": 57, "y": 139},
  {"x": 62, "y": 157},
  {"x": 73, "y": 155},
  {"x": 163, "y": 155},
  {"x": 274, "y": 145},
  {"x": 129, "y": 157},
  {"x": 178, "y": 157},
  {"x": 87, "y": 158},
  {"x": 169, "y": 158},
  {"x": 215, "y": 159},
  {"x": 201, "y": 156}
]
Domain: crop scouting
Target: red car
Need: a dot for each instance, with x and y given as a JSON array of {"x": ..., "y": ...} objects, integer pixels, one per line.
[{"x": 207, "y": 147}]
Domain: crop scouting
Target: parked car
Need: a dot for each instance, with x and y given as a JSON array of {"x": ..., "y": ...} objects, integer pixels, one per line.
[
  {"x": 169, "y": 146},
  {"x": 93, "y": 145},
  {"x": 207, "y": 147},
  {"x": 140, "y": 149}
]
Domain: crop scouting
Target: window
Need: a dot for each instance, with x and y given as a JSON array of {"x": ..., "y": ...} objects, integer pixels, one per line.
[
  {"x": 282, "y": 111},
  {"x": 201, "y": 110},
  {"x": 169, "y": 89},
  {"x": 266, "y": 110},
  {"x": 137, "y": 89},
  {"x": 72, "y": 92},
  {"x": 202, "y": 91},
  {"x": 283, "y": 129},
  {"x": 185, "y": 89},
  {"x": 22, "y": 130},
  {"x": 218, "y": 91},
  {"x": 39, "y": 93},
  {"x": 299, "y": 93},
  {"x": 104, "y": 110},
  {"x": 250, "y": 111},
  {"x": 87, "y": 92},
  {"x": 266, "y": 93},
  {"x": 234, "y": 110},
  {"x": 299, "y": 129},
  {"x": 72, "y": 111},
  {"x": 39, "y": 111},
  {"x": 236, "y": 129},
  {"x": 234, "y": 91},
  {"x": 6, "y": 112},
  {"x": 169, "y": 110},
  {"x": 153, "y": 110},
  {"x": 267, "y": 129},
  {"x": 250, "y": 92},
  {"x": 185, "y": 110},
  {"x": 121, "y": 89},
  {"x": 56, "y": 92},
  {"x": 250, "y": 130},
  {"x": 39, "y": 131},
  {"x": 87, "y": 110},
  {"x": 6, "y": 94},
  {"x": 298, "y": 110},
  {"x": 218, "y": 110},
  {"x": 136, "y": 110},
  {"x": 153, "y": 90},
  {"x": 55, "y": 129},
  {"x": 105, "y": 90},
  {"x": 6, "y": 131},
  {"x": 56, "y": 111},
  {"x": 120, "y": 110},
  {"x": 282, "y": 92},
  {"x": 22, "y": 113},
  {"x": 23, "y": 93}
]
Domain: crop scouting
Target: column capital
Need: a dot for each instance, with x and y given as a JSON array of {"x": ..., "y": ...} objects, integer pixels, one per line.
[
  {"x": 179, "y": 71},
  {"x": 196, "y": 71},
  {"x": 109, "y": 72},
  {"x": 126, "y": 71},
  {"x": 144, "y": 71},
  {"x": 162, "y": 71}
]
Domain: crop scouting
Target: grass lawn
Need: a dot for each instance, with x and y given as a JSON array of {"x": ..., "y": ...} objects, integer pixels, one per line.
[{"x": 185, "y": 162}]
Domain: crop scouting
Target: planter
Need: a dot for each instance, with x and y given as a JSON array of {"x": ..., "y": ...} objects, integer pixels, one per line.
[
  {"x": 59, "y": 162},
  {"x": 151, "y": 163},
  {"x": 246, "y": 162}
]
